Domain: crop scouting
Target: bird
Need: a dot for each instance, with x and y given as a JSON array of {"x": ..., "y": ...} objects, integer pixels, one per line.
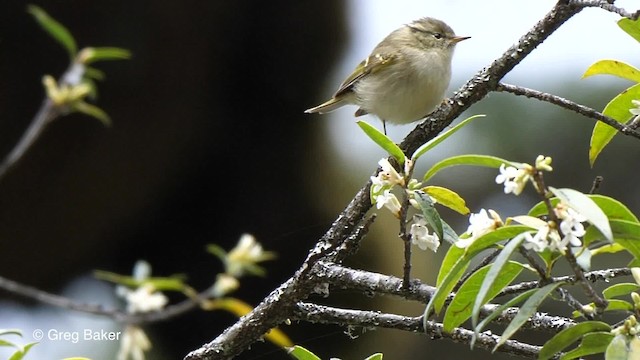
[{"x": 404, "y": 78}]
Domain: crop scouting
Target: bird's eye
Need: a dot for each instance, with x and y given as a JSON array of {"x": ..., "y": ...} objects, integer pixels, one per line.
[{"x": 437, "y": 36}]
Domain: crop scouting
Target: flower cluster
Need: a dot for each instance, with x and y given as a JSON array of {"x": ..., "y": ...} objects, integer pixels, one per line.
[
  {"x": 382, "y": 196},
  {"x": 145, "y": 298},
  {"x": 548, "y": 236},
  {"x": 515, "y": 178}
]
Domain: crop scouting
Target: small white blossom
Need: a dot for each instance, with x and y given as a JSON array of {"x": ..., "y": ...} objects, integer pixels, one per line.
[
  {"x": 636, "y": 274},
  {"x": 420, "y": 235},
  {"x": 388, "y": 200},
  {"x": 387, "y": 177},
  {"x": 546, "y": 237},
  {"x": 224, "y": 285},
  {"x": 514, "y": 179},
  {"x": 571, "y": 224},
  {"x": 133, "y": 344},
  {"x": 144, "y": 299},
  {"x": 245, "y": 256},
  {"x": 480, "y": 224},
  {"x": 543, "y": 163}
]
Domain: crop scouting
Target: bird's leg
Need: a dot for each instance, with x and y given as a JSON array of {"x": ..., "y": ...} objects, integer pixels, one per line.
[{"x": 384, "y": 126}]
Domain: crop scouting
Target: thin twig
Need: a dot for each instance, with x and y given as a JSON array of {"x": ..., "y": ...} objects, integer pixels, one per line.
[{"x": 569, "y": 105}]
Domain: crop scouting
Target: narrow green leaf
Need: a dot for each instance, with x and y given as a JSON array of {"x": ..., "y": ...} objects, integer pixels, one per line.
[
  {"x": 606, "y": 249},
  {"x": 217, "y": 251},
  {"x": 4, "y": 332},
  {"x": 530, "y": 221},
  {"x": 449, "y": 235},
  {"x": 617, "y": 109},
  {"x": 450, "y": 258},
  {"x": 471, "y": 159},
  {"x": 93, "y": 54},
  {"x": 568, "y": 336},
  {"x": 593, "y": 343},
  {"x": 429, "y": 212},
  {"x": 93, "y": 111},
  {"x": 448, "y": 198},
  {"x": 499, "y": 310},
  {"x": 376, "y": 356},
  {"x": 460, "y": 308},
  {"x": 440, "y": 138},
  {"x": 617, "y": 349},
  {"x": 6, "y": 343},
  {"x": 615, "y": 68},
  {"x": 383, "y": 141},
  {"x": 526, "y": 311},
  {"x": 54, "y": 29},
  {"x": 613, "y": 208},
  {"x": 301, "y": 353},
  {"x": 631, "y": 27},
  {"x": 619, "y": 290},
  {"x": 587, "y": 208},
  {"x": 493, "y": 276}
]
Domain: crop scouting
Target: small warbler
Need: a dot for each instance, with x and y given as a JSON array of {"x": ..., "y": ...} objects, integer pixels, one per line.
[{"x": 404, "y": 78}]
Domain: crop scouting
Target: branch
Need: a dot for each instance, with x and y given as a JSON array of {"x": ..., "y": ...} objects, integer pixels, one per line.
[
  {"x": 569, "y": 105},
  {"x": 330, "y": 315}
]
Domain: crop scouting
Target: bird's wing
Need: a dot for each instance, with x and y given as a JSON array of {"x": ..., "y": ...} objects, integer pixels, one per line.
[{"x": 370, "y": 65}]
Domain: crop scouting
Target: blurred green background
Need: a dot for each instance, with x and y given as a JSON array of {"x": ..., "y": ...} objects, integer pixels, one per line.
[{"x": 209, "y": 141}]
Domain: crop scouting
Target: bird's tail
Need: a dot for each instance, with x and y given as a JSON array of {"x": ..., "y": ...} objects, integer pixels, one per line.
[{"x": 326, "y": 106}]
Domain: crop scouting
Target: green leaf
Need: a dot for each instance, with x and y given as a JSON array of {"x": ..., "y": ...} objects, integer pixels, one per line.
[
  {"x": 606, "y": 249},
  {"x": 173, "y": 283},
  {"x": 631, "y": 27},
  {"x": 499, "y": 310},
  {"x": 457, "y": 260},
  {"x": 472, "y": 159},
  {"x": 586, "y": 207},
  {"x": 448, "y": 198},
  {"x": 526, "y": 311},
  {"x": 93, "y": 54},
  {"x": 19, "y": 355},
  {"x": 617, "y": 109},
  {"x": 301, "y": 353},
  {"x": 429, "y": 212},
  {"x": 615, "y": 68},
  {"x": 494, "y": 276},
  {"x": 217, "y": 251},
  {"x": 612, "y": 305},
  {"x": 376, "y": 356},
  {"x": 619, "y": 290},
  {"x": 593, "y": 343},
  {"x": 460, "y": 308},
  {"x": 4, "y": 332},
  {"x": 440, "y": 138},
  {"x": 54, "y": 29},
  {"x": 617, "y": 349},
  {"x": 449, "y": 235},
  {"x": 568, "y": 336},
  {"x": 383, "y": 141},
  {"x": 627, "y": 234},
  {"x": 93, "y": 111}
]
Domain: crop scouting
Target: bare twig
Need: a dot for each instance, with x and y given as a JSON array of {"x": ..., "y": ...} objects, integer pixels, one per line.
[{"x": 569, "y": 105}]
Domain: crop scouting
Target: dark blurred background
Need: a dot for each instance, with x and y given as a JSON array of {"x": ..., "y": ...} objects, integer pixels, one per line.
[{"x": 208, "y": 142}]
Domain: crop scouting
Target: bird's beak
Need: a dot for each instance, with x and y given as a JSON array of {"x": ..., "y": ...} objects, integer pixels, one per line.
[{"x": 457, "y": 39}]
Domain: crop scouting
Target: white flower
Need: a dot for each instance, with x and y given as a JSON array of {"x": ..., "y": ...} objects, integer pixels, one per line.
[
  {"x": 143, "y": 299},
  {"x": 420, "y": 235},
  {"x": 514, "y": 179},
  {"x": 388, "y": 200},
  {"x": 480, "y": 224},
  {"x": 245, "y": 256},
  {"x": 571, "y": 225},
  {"x": 546, "y": 237},
  {"x": 224, "y": 284},
  {"x": 387, "y": 177},
  {"x": 133, "y": 344}
]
